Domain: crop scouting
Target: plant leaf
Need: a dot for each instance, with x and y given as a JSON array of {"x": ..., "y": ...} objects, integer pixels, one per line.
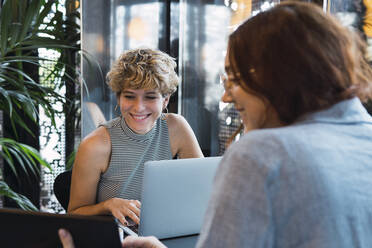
[
  {"x": 21, "y": 200},
  {"x": 32, "y": 12},
  {"x": 5, "y": 20}
]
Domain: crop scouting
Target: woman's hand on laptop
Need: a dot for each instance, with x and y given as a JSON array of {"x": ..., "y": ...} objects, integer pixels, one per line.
[
  {"x": 122, "y": 208},
  {"x": 142, "y": 242}
]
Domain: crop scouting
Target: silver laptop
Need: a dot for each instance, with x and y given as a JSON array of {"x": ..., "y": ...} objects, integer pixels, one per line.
[{"x": 175, "y": 195}]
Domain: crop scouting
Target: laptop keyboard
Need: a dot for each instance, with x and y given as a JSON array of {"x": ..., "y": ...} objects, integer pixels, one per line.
[{"x": 132, "y": 225}]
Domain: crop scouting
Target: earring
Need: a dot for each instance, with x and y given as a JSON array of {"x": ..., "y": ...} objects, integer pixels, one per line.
[
  {"x": 116, "y": 110},
  {"x": 163, "y": 114}
]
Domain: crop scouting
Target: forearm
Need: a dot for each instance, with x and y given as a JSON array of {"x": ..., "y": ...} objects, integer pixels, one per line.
[
  {"x": 119, "y": 208},
  {"x": 95, "y": 209}
]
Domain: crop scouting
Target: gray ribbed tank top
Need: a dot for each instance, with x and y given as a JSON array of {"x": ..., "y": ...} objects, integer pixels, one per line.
[{"x": 129, "y": 152}]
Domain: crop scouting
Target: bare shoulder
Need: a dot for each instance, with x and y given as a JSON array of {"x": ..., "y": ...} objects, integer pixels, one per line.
[
  {"x": 95, "y": 147},
  {"x": 182, "y": 138},
  {"x": 97, "y": 140},
  {"x": 176, "y": 122}
]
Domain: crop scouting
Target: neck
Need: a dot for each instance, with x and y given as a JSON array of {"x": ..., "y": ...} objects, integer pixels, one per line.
[{"x": 272, "y": 121}]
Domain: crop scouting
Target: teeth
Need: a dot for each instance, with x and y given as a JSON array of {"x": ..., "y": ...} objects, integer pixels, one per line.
[{"x": 139, "y": 117}]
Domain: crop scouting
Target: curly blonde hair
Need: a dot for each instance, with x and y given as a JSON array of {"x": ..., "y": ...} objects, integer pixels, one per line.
[{"x": 143, "y": 68}]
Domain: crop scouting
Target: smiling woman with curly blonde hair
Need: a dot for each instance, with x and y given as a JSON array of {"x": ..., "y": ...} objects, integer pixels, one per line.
[{"x": 108, "y": 170}]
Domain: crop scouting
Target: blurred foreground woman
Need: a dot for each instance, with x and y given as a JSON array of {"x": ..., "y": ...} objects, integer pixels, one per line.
[{"x": 301, "y": 174}]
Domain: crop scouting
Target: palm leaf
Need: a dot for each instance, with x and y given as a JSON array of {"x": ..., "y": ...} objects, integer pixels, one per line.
[
  {"x": 21, "y": 200},
  {"x": 23, "y": 30},
  {"x": 14, "y": 33},
  {"x": 31, "y": 14},
  {"x": 32, "y": 152},
  {"x": 4, "y": 152},
  {"x": 13, "y": 152},
  {"x": 23, "y": 154},
  {"x": 5, "y": 95},
  {"x": 5, "y": 20}
]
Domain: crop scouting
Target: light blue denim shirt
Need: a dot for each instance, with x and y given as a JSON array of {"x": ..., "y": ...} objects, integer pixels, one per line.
[{"x": 305, "y": 185}]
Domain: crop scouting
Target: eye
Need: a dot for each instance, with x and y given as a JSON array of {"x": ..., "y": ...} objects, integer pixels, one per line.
[
  {"x": 228, "y": 80},
  {"x": 151, "y": 97},
  {"x": 129, "y": 96},
  {"x": 233, "y": 80}
]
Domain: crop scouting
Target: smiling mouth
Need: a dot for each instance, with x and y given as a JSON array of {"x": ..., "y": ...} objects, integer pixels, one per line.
[{"x": 140, "y": 117}]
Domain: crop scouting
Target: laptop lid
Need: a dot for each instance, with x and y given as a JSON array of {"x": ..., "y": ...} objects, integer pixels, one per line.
[
  {"x": 175, "y": 195},
  {"x": 20, "y": 228}
]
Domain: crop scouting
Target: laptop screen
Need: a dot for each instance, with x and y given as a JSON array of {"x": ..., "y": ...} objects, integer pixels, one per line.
[{"x": 175, "y": 196}]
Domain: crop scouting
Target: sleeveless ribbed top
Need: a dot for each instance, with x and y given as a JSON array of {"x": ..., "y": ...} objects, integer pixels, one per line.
[{"x": 129, "y": 152}]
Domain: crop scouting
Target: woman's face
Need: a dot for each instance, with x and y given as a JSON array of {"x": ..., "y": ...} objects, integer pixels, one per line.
[
  {"x": 141, "y": 108},
  {"x": 254, "y": 112}
]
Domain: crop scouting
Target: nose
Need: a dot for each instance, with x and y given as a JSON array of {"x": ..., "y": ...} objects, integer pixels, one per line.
[
  {"x": 226, "y": 97},
  {"x": 139, "y": 105}
]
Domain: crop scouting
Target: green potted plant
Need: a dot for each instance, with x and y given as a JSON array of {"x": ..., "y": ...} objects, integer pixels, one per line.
[{"x": 25, "y": 26}]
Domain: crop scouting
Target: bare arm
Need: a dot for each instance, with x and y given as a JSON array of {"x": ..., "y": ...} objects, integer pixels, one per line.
[
  {"x": 182, "y": 138},
  {"x": 91, "y": 160}
]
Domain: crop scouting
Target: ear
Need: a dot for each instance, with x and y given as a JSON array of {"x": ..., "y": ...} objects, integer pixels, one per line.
[{"x": 165, "y": 101}]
